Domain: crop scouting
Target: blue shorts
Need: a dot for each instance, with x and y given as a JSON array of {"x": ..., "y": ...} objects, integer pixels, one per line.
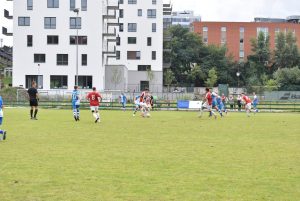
[
  {"x": 75, "y": 106},
  {"x": 1, "y": 120},
  {"x": 214, "y": 104},
  {"x": 123, "y": 105}
]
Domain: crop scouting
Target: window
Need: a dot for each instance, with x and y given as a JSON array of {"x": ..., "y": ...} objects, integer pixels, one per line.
[
  {"x": 121, "y": 1},
  {"x": 72, "y": 4},
  {"x": 85, "y": 82},
  {"x": 121, "y": 27},
  {"x": 52, "y": 40},
  {"x": 39, "y": 58},
  {"x": 131, "y": 27},
  {"x": 151, "y": 13},
  {"x": 36, "y": 78},
  {"x": 131, "y": 40},
  {"x": 149, "y": 41},
  {"x": 241, "y": 54},
  {"x": 29, "y": 40},
  {"x": 62, "y": 59},
  {"x": 50, "y": 22},
  {"x": 29, "y": 4},
  {"x": 205, "y": 34},
  {"x": 53, "y": 3},
  {"x": 153, "y": 2},
  {"x": 223, "y": 35},
  {"x": 144, "y": 67},
  {"x": 58, "y": 81},
  {"x": 133, "y": 55},
  {"x": 82, "y": 40},
  {"x": 118, "y": 55},
  {"x": 84, "y": 5},
  {"x": 144, "y": 85},
  {"x": 140, "y": 12},
  {"x": 118, "y": 41},
  {"x": 121, "y": 13},
  {"x": 131, "y": 1},
  {"x": 75, "y": 22},
  {"x": 153, "y": 27},
  {"x": 153, "y": 55},
  {"x": 84, "y": 59},
  {"x": 264, "y": 30},
  {"x": 24, "y": 21}
]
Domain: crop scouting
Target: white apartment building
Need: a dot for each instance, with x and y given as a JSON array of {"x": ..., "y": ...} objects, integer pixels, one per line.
[
  {"x": 184, "y": 18},
  {"x": 45, "y": 50},
  {"x": 139, "y": 44},
  {"x": 6, "y": 23}
]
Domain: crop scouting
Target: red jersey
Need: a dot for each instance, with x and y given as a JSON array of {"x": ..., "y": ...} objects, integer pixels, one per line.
[
  {"x": 94, "y": 97},
  {"x": 208, "y": 98},
  {"x": 142, "y": 97},
  {"x": 246, "y": 99}
]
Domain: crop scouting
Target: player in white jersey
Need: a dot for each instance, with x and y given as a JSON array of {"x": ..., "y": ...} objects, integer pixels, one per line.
[{"x": 137, "y": 105}]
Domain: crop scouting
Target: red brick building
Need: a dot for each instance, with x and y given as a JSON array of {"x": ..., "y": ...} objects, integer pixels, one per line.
[{"x": 237, "y": 35}]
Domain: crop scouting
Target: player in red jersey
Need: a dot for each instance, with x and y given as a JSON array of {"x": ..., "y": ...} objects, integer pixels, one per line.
[
  {"x": 95, "y": 98},
  {"x": 248, "y": 103},
  {"x": 208, "y": 102}
]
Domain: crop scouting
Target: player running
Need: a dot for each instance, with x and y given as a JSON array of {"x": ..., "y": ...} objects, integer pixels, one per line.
[
  {"x": 248, "y": 102},
  {"x": 76, "y": 103},
  {"x": 123, "y": 101},
  {"x": 95, "y": 98},
  {"x": 255, "y": 102},
  {"x": 214, "y": 96},
  {"x": 2, "y": 132},
  {"x": 209, "y": 100},
  {"x": 137, "y": 105},
  {"x": 221, "y": 105}
]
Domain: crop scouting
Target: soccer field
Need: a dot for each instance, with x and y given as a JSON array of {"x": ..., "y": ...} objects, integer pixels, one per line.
[{"x": 170, "y": 156}]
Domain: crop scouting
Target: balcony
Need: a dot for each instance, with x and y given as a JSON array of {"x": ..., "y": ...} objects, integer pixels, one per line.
[
  {"x": 6, "y": 14},
  {"x": 114, "y": 34},
  {"x": 4, "y": 32},
  {"x": 110, "y": 52},
  {"x": 110, "y": 16}
]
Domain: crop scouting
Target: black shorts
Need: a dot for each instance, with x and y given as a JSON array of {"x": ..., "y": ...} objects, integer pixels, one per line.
[{"x": 33, "y": 102}]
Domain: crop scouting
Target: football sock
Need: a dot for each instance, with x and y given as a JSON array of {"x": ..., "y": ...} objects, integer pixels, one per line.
[
  {"x": 95, "y": 115},
  {"x": 35, "y": 112},
  {"x": 78, "y": 113},
  {"x": 74, "y": 112},
  {"x": 31, "y": 113}
]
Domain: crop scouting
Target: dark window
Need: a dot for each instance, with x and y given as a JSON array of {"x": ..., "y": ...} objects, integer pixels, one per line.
[
  {"x": 118, "y": 55},
  {"x": 62, "y": 59},
  {"x": 144, "y": 67},
  {"x": 24, "y": 21},
  {"x": 29, "y": 4},
  {"x": 75, "y": 22},
  {"x": 118, "y": 41},
  {"x": 121, "y": 13},
  {"x": 82, "y": 40},
  {"x": 39, "y": 58},
  {"x": 153, "y": 27},
  {"x": 58, "y": 82},
  {"x": 153, "y": 1},
  {"x": 149, "y": 41},
  {"x": 50, "y": 22},
  {"x": 52, "y": 40},
  {"x": 131, "y": 40},
  {"x": 36, "y": 78},
  {"x": 84, "y": 5},
  {"x": 29, "y": 40},
  {"x": 153, "y": 55},
  {"x": 53, "y": 3},
  {"x": 121, "y": 1},
  {"x": 151, "y": 13},
  {"x": 121, "y": 27},
  {"x": 131, "y": 1},
  {"x": 132, "y": 27},
  {"x": 140, "y": 12},
  {"x": 72, "y": 4},
  {"x": 85, "y": 82},
  {"x": 144, "y": 85},
  {"x": 84, "y": 59},
  {"x": 133, "y": 55}
]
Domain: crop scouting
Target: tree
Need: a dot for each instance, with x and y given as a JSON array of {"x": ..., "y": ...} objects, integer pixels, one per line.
[
  {"x": 212, "y": 78},
  {"x": 150, "y": 75},
  {"x": 116, "y": 77},
  {"x": 288, "y": 78},
  {"x": 168, "y": 78},
  {"x": 197, "y": 76}
]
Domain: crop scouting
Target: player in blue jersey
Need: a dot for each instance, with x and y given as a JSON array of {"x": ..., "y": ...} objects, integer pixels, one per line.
[
  {"x": 255, "y": 102},
  {"x": 2, "y": 132},
  {"x": 221, "y": 105},
  {"x": 76, "y": 103},
  {"x": 214, "y": 96},
  {"x": 123, "y": 101},
  {"x": 137, "y": 104}
]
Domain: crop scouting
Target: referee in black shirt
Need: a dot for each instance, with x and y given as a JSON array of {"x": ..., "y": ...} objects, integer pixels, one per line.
[{"x": 33, "y": 100}]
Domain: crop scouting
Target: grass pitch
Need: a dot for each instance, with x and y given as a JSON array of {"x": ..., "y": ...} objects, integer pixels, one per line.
[{"x": 170, "y": 156}]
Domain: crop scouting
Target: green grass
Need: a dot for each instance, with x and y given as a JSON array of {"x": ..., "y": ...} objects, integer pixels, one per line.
[{"x": 170, "y": 156}]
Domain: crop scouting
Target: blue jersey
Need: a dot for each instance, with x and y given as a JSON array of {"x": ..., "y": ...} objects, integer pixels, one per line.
[
  {"x": 255, "y": 100},
  {"x": 220, "y": 103},
  {"x": 214, "y": 99},
  {"x": 1, "y": 102},
  {"x": 123, "y": 99},
  {"x": 75, "y": 96}
]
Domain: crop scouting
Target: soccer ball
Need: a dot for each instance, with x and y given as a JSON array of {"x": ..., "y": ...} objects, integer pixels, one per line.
[{"x": 148, "y": 115}]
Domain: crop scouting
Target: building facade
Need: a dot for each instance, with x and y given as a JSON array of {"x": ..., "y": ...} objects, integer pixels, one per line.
[
  {"x": 6, "y": 23},
  {"x": 119, "y": 44},
  {"x": 184, "y": 18},
  {"x": 237, "y": 35}
]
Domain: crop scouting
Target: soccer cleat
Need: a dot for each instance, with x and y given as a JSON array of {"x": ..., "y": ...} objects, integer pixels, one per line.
[
  {"x": 97, "y": 120},
  {"x": 4, "y": 135},
  {"x": 34, "y": 118},
  {"x": 78, "y": 119},
  {"x": 75, "y": 118}
]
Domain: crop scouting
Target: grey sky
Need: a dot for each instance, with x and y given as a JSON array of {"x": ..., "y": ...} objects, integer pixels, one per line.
[{"x": 238, "y": 10}]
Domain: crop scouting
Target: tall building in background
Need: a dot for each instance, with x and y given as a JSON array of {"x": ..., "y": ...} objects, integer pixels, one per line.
[
  {"x": 184, "y": 18},
  {"x": 237, "y": 35},
  {"x": 6, "y": 23},
  {"x": 119, "y": 44}
]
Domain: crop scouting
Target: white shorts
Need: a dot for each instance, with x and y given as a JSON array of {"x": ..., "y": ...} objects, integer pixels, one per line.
[
  {"x": 94, "y": 108},
  {"x": 248, "y": 106},
  {"x": 1, "y": 113},
  {"x": 208, "y": 107}
]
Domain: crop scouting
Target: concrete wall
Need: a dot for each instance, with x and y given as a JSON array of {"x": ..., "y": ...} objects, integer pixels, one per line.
[{"x": 116, "y": 77}]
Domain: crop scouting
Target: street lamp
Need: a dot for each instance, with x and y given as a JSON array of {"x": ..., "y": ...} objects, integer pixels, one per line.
[
  {"x": 76, "y": 10},
  {"x": 238, "y": 75}
]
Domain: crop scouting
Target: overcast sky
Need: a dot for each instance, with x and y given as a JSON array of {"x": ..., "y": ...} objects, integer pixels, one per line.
[{"x": 238, "y": 10}]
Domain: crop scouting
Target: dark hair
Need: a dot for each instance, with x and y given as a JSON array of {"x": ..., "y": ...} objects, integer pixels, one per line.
[
  {"x": 33, "y": 83},
  {"x": 146, "y": 89},
  {"x": 207, "y": 89},
  {"x": 75, "y": 87},
  {"x": 94, "y": 88}
]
